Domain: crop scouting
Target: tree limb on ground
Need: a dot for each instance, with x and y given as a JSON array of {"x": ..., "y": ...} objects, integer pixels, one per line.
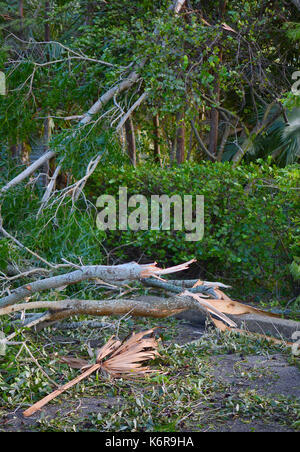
[
  {"x": 131, "y": 271},
  {"x": 155, "y": 307}
]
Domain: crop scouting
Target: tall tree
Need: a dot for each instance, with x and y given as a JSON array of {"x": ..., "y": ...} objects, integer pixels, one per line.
[
  {"x": 180, "y": 138},
  {"x": 130, "y": 140}
]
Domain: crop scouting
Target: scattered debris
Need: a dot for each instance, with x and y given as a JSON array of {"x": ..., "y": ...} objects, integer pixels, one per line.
[{"x": 118, "y": 359}]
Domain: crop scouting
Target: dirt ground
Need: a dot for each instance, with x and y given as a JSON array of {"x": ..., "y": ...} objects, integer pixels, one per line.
[{"x": 271, "y": 376}]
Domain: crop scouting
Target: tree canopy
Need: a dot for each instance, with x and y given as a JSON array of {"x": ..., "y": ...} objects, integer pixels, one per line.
[{"x": 210, "y": 82}]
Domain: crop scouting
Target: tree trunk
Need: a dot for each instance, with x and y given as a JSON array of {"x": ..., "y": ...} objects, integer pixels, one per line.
[
  {"x": 180, "y": 138},
  {"x": 214, "y": 124},
  {"x": 130, "y": 140},
  {"x": 157, "y": 156},
  {"x": 214, "y": 127}
]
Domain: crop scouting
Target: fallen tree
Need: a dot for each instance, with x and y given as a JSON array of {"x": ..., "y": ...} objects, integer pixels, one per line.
[
  {"x": 156, "y": 307},
  {"x": 131, "y": 271},
  {"x": 180, "y": 296}
]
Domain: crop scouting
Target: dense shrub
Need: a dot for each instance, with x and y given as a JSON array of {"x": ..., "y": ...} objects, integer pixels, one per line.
[
  {"x": 59, "y": 232},
  {"x": 251, "y": 238},
  {"x": 251, "y": 231}
]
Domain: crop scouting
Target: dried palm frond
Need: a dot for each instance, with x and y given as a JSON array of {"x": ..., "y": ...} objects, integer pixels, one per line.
[
  {"x": 127, "y": 359},
  {"x": 118, "y": 359}
]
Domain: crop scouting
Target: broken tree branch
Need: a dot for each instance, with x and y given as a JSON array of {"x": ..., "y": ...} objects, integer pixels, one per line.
[
  {"x": 156, "y": 307},
  {"x": 89, "y": 115},
  {"x": 131, "y": 271},
  {"x": 131, "y": 110},
  {"x": 26, "y": 173},
  {"x": 144, "y": 306},
  {"x": 167, "y": 285}
]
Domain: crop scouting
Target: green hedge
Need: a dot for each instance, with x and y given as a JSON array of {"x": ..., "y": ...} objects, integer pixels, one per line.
[
  {"x": 251, "y": 236},
  {"x": 251, "y": 232}
]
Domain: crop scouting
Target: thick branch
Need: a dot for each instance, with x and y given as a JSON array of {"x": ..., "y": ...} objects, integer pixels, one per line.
[
  {"x": 131, "y": 271},
  {"x": 31, "y": 169},
  {"x": 166, "y": 285},
  {"x": 144, "y": 307},
  {"x": 139, "y": 307},
  {"x": 200, "y": 142}
]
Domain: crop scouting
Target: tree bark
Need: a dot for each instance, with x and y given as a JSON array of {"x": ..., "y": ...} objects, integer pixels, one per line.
[
  {"x": 157, "y": 156},
  {"x": 130, "y": 140},
  {"x": 148, "y": 306},
  {"x": 214, "y": 128},
  {"x": 131, "y": 271},
  {"x": 180, "y": 138}
]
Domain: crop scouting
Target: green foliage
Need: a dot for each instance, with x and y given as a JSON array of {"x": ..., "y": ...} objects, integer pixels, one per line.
[
  {"x": 251, "y": 232},
  {"x": 8, "y": 253},
  {"x": 292, "y": 31},
  {"x": 280, "y": 142},
  {"x": 58, "y": 233},
  {"x": 185, "y": 57},
  {"x": 295, "y": 269}
]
